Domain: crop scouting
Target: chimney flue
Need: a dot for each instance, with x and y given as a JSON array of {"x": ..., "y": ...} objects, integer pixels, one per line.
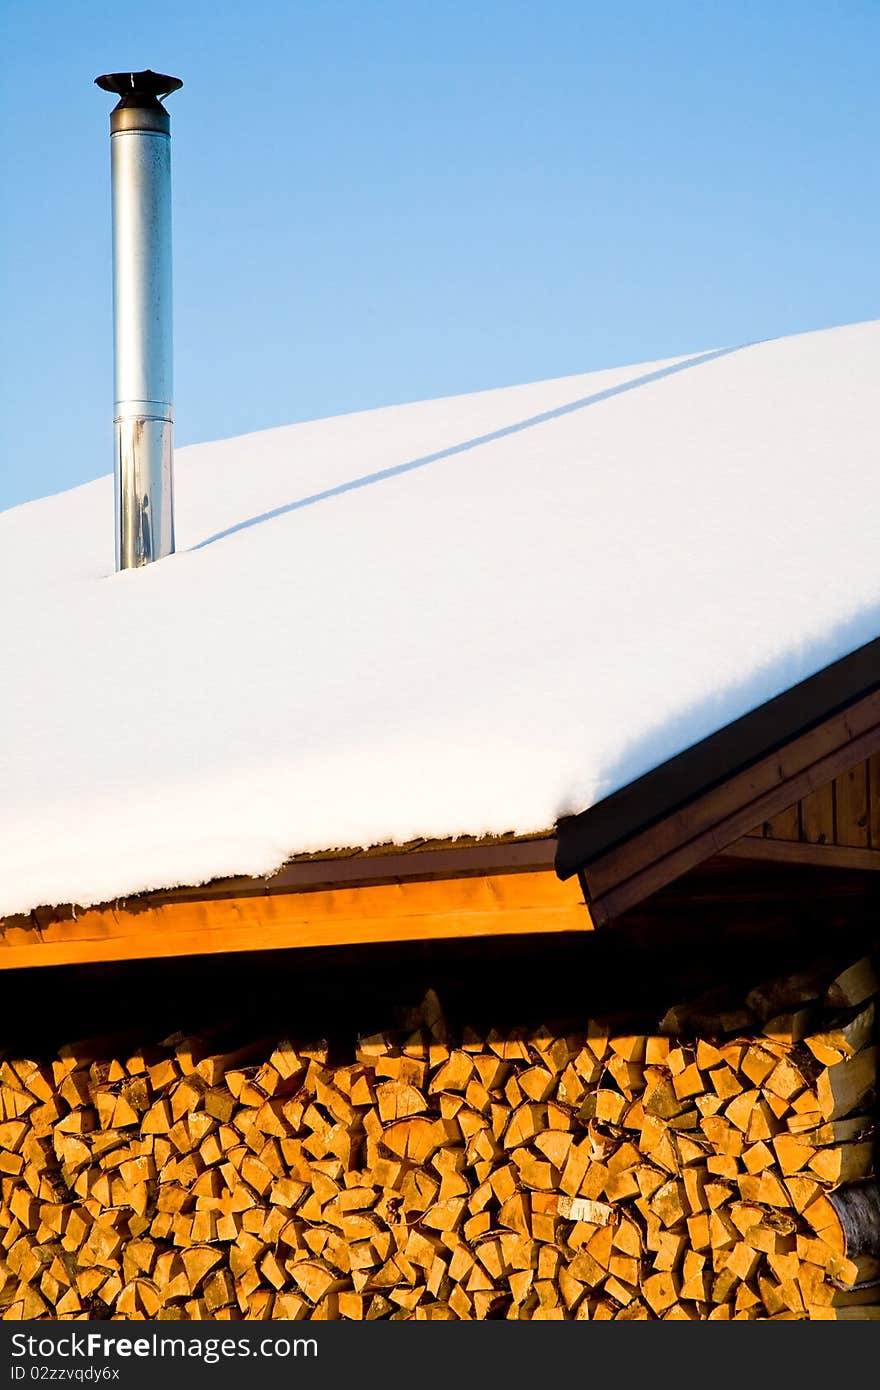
[{"x": 143, "y": 424}]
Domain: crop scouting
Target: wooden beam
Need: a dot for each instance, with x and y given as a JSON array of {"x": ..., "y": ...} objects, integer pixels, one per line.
[
  {"x": 483, "y": 905},
  {"x": 789, "y": 852}
]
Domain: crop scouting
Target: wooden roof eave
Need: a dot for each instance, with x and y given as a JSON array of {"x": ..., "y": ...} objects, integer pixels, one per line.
[
  {"x": 700, "y": 803},
  {"x": 486, "y": 888}
]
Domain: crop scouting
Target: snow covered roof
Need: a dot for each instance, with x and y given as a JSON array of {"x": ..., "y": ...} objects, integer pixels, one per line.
[{"x": 462, "y": 616}]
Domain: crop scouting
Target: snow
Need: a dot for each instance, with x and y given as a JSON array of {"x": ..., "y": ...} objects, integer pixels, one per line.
[{"x": 543, "y": 610}]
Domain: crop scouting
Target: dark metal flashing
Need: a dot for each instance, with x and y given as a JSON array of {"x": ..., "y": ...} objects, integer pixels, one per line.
[
  {"x": 394, "y": 866},
  {"x": 706, "y": 765}
]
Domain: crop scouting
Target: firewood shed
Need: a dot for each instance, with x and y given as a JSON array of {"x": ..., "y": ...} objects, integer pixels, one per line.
[{"x": 446, "y": 887}]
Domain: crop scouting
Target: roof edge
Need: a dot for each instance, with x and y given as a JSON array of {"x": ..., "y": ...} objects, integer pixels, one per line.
[
  {"x": 462, "y": 857},
  {"x": 703, "y": 766}
]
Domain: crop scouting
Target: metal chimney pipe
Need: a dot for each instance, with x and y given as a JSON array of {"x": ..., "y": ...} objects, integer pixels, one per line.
[{"x": 140, "y": 162}]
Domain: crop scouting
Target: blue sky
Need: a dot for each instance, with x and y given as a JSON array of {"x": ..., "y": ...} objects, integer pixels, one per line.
[{"x": 378, "y": 201}]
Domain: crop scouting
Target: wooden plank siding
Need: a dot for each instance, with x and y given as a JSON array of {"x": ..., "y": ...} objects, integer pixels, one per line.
[
  {"x": 874, "y": 801},
  {"x": 851, "y": 807},
  {"x": 817, "y": 816},
  {"x": 784, "y": 826},
  {"x": 843, "y": 812}
]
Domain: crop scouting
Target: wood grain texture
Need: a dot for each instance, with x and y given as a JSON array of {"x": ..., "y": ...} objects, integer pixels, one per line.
[
  {"x": 486, "y": 905},
  {"x": 874, "y": 801},
  {"x": 851, "y": 807},
  {"x": 817, "y": 816},
  {"x": 785, "y": 825},
  {"x": 846, "y": 811}
]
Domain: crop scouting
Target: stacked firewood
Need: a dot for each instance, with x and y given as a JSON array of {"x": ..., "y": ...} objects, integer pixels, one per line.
[{"x": 719, "y": 1166}]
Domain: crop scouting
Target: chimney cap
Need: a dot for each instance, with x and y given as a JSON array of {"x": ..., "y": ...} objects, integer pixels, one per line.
[{"x": 138, "y": 89}]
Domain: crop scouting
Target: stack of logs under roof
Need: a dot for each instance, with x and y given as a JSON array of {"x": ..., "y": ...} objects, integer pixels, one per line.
[{"x": 718, "y": 1167}]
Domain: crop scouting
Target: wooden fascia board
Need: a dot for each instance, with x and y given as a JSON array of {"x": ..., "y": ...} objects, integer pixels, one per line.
[
  {"x": 488, "y": 904},
  {"x": 706, "y": 826}
]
